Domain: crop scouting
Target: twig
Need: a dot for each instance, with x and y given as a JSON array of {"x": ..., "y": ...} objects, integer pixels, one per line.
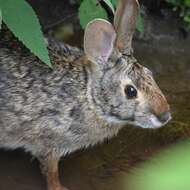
[{"x": 59, "y": 22}]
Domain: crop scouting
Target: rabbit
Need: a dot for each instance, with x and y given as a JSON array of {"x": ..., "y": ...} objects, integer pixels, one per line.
[{"x": 87, "y": 98}]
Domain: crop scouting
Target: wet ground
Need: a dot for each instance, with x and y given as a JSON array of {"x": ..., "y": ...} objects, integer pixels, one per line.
[{"x": 104, "y": 166}]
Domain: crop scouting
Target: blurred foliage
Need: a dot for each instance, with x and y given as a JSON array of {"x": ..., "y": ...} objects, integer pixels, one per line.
[
  {"x": 169, "y": 170},
  {"x": 0, "y": 18},
  {"x": 183, "y": 7},
  {"x": 91, "y": 9},
  {"x": 22, "y": 21}
]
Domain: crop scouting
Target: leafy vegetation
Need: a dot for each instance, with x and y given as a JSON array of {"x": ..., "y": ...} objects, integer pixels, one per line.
[
  {"x": 22, "y": 21},
  {"x": 167, "y": 171},
  {"x": 183, "y": 7},
  {"x": 91, "y": 9},
  {"x": 0, "y": 19}
]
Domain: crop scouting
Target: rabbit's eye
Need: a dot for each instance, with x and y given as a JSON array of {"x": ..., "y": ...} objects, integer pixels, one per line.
[{"x": 130, "y": 91}]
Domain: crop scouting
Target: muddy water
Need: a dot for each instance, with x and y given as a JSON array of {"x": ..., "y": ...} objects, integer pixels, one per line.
[{"x": 103, "y": 167}]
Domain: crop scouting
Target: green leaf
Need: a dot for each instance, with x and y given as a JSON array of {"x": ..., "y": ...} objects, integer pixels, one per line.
[
  {"x": 187, "y": 3},
  {"x": 110, "y": 5},
  {"x": 140, "y": 24},
  {"x": 0, "y": 19},
  {"x": 20, "y": 18},
  {"x": 168, "y": 170},
  {"x": 114, "y": 2},
  {"x": 90, "y": 10}
]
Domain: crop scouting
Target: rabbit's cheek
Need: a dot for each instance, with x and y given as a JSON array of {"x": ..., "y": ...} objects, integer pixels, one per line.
[{"x": 142, "y": 101}]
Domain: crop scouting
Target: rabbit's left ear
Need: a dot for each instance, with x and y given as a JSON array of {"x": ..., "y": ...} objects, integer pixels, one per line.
[
  {"x": 99, "y": 40},
  {"x": 125, "y": 23}
]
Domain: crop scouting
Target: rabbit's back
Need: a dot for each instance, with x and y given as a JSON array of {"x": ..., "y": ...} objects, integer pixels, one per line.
[{"x": 36, "y": 101}]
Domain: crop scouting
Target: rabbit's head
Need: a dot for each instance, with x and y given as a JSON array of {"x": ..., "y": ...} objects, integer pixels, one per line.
[{"x": 122, "y": 90}]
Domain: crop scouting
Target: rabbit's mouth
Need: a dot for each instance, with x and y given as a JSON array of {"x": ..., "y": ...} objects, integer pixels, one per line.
[
  {"x": 143, "y": 121},
  {"x": 118, "y": 120},
  {"x": 151, "y": 121}
]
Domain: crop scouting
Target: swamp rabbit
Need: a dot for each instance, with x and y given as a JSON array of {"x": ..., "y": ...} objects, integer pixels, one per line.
[{"x": 85, "y": 99}]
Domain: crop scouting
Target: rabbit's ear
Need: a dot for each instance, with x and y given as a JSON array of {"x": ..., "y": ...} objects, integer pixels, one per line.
[
  {"x": 99, "y": 40},
  {"x": 125, "y": 24}
]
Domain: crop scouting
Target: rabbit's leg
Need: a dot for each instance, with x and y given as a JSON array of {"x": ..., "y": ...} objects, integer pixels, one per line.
[{"x": 50, "y": 167}]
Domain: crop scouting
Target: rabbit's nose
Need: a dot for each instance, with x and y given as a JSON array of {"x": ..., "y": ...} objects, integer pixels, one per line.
[{"x": 164, "y": 117}]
